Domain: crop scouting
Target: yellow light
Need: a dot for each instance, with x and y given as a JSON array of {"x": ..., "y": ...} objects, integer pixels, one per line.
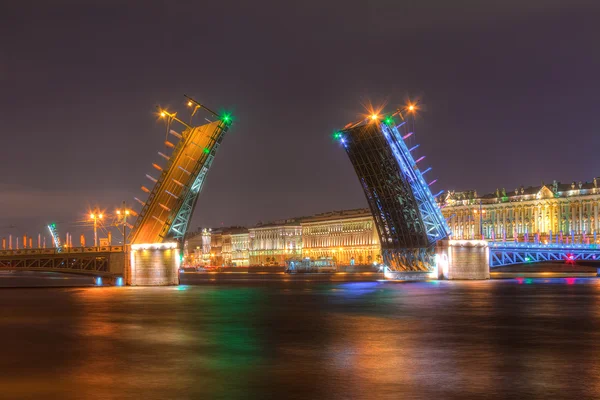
[
  {"x": 126, "y": 212},
  {"x": 189, "y": 103},
  {"x": 162, "y": 114},
  {"x": 118, "y": 212},
  {"x": 92, "y": 216},
  {"x": 411, "y": 108},
  {"x": 100, "y": 216},
  {"x": 374, "y": 117}
]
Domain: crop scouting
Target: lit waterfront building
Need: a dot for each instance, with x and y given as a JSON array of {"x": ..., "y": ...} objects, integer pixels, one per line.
[
  {"x": 347, "y": 237},
  {"x": 240, "y": 245},
  {"x": 568, "y": 210},
  {"x": 274, "y": 243}
]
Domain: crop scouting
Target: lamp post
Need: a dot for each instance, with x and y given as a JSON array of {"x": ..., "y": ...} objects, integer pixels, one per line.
[
  {"x": 123, "y": 213},
  {"x": 95, "y": 216}
]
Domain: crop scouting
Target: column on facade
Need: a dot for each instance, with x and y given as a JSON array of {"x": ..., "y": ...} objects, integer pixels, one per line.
[
  {"x": 595, "y": 216},
  {"x": 580, "y": 222}
]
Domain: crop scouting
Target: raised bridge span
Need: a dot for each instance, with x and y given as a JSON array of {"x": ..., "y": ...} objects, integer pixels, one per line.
[{"x": 413, "y": 233}]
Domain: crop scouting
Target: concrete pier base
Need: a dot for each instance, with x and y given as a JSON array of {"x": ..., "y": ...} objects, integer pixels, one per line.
[
  {"x": 463, "y": 259},
  {"x": 155, "y": 264},
  {"x": 406, "y": 275}
]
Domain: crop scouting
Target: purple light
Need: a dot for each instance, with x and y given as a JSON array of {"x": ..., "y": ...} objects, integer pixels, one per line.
[
  {"x": 420, "y": 159},
  {"x": 407, "y": 136}
]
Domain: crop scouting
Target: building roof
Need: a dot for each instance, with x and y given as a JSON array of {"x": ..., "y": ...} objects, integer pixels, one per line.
[
  {"x": 555, "y": 189},
  {"x": 342, "y": 214}
]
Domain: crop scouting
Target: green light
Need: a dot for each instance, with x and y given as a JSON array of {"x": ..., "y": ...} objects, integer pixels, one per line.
[
  {"x": 226, "y": 118},
  {"x": 389, "y": 120},
  {"x": 337, "y": 135},
  {"x": 206, "y": 151}
]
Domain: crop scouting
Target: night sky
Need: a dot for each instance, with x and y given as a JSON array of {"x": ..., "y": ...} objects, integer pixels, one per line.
[{"x": 509, "y": 93}]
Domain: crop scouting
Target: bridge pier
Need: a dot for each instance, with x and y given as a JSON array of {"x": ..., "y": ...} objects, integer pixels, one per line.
[
  {"x": 155, "y": 264},
  {"x": 463, "y": 259}
]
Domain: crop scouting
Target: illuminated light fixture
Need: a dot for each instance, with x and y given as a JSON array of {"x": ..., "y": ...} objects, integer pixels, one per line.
[
  {"x": 189, "y": 103},
  {"x": 407, "y": 136},
  {"x": 389, "y": 120},
  {"x": 92, "y": 216},
  {"x": 226, "y": 118},
  {"x": 374, "y": 117},
  {"x": 206, "y": 151},
  {"x": 162, "y": 114},
  {"x": 100, "y": 216},
  {"x": 118, "y": 212},
  {"x": 157, "y": 246}
]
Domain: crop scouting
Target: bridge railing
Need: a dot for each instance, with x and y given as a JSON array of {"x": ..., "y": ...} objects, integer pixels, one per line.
[
  {"x": 63, "y": 251},
  {"x": 550, "y": 246},
  {"x": 510, "y": 253}
]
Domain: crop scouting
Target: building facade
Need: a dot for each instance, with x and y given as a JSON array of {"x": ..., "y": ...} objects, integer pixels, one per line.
[
  {"x": 240, "y": 245},
  {"x": 272, "y": 244},
  {"x": 567, "y": 211},
  {"x": 347, "y": 237}
]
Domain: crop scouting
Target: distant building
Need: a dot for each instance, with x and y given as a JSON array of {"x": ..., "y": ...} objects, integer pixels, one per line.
[
  {"x": 272, "y": 244},
  {"x": 240, "y": 247},
  {"x": 560, "y": 209},
  {"x": 348, "y": 237}
]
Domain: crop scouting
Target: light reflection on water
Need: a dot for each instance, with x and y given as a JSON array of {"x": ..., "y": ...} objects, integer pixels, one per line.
[{"x": 529, "y": 338}]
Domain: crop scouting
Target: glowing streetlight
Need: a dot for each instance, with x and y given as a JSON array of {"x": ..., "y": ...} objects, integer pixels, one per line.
[
  {"x": 189, "y": 103},
  {"x": 124, "y": 212},
  {"x": 95, "y": 217},
  {"x": 374, "y": 117},
  {"x": 162, "y": 114}
]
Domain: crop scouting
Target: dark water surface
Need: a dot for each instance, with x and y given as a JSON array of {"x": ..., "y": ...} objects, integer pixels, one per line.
[{"x": 518, "y": 339}]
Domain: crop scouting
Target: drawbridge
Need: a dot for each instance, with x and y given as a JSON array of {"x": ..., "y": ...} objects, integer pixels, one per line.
[
  {"x": 167, "y": 210},
  {"x": 408, "y": 220}
]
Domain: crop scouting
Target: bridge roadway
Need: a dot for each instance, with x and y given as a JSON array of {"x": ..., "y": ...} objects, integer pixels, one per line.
[
  {"x": 512, "y": 253},
  {"x": 106, "y": 262}
]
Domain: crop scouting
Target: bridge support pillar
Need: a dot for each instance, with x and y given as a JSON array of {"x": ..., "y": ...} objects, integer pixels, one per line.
[
  {"x": 463, "y": 259},
  {"x": 154, "y": 264}
]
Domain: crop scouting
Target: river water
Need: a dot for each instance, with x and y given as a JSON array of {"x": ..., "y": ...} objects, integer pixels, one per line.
[{"x": 498, "y": 339}]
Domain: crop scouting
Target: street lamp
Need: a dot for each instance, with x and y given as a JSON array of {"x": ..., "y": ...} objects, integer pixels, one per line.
[
  {"x": 123, "y": 213},
  {"x": 95, "y": 216}
]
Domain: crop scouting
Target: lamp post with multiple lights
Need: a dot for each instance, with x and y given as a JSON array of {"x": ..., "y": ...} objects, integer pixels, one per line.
[
  {"x": 95, "y": 216},
  {"x": 123, "y": 213}
]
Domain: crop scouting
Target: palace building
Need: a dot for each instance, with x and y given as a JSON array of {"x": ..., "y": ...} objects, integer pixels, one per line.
[
  {"x": 240, "y": 246},
  {"x": 274, "y": 243},
  {"x": 347, "y": 237},
  {"x": 544, "y": 211}
]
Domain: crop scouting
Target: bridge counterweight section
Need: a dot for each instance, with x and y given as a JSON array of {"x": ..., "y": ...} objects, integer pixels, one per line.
[
  {"x": 169, "y": 206},
  {"x": 408, "y": 220}
]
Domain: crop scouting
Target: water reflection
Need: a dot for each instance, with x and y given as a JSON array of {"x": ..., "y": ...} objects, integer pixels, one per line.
[{"x": 450, "y": 340}]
